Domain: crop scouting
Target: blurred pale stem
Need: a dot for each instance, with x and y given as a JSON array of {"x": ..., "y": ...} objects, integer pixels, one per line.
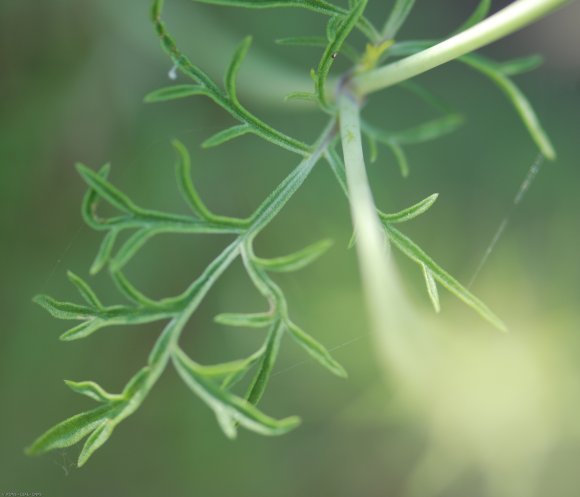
[
  {"x": 401, "y": 346},
  {"x": 512, "y": 18}
]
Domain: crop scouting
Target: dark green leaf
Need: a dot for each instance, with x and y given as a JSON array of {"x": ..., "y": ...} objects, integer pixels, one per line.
[
  {"x": 175, "y": 92},
  {"x": 234, "y": 67},
  {"x": 410, "y": 212},
  {"x": 226, "y": 135},
  {"x": 185, "y": 183},
  {"x": 342, "y": 31},
  {"x": 266, "y": 365},
  {"x": 114, "y": 196}
]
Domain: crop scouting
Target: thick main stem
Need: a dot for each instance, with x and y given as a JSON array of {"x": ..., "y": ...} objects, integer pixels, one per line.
[
  {"x": 372, "y": 246},
  {"x": 401, "y": 345},
  {"x": 513, "y": 17}
]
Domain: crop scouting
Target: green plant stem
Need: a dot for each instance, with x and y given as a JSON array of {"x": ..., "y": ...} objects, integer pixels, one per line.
[
  {"x": 512, "y": 18},
  {"x": 376, "y": 267},
  {"x": 401, "y": 345}
]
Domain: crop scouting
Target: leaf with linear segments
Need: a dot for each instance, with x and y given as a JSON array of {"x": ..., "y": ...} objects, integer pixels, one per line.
[
  {"x": 297, "y": 260},
  {"x": 226, "y": 404}
]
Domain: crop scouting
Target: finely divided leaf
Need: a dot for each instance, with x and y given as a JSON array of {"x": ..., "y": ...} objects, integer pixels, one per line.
[
  {"x": 96, "y": 440},
  {"x": 175, "y": 92},
  {"x": 316, "y": 350},
  {"x": 256, "y": 320},
  {"x": 227, "y": 370},
  {"x": 83, "y": 330},
  {"x": 70, "y": 431},
  {"x": 414, "y": 252},
  {"x": 226, "y": 135},
  {"x": 297, "y": 260},
  {"x": 225, "y": 403},
  {"x": 234, "y": 67},
  {"x": 317, "y": 5},
  {"x": 92, "y": 390},
  {"x": 185, "y": 183},
  {"x": 85, "y": 290},
  {"x": 63, "y": 310},
  {"x": 105, "y": 250},
  {"x": 267, "y": 360},
  {"x": 410, "y": 212},
  {"x": 344, "y": 28},
  {"x": 517, "y": 98},
  {"x": 98, "y": 183}
]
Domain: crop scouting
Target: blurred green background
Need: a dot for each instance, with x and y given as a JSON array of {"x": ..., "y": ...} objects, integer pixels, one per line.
[{"x": 499, "y": 418}]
